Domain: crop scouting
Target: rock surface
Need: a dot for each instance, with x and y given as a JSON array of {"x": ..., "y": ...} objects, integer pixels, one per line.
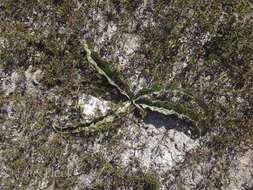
[{"x": 45, "y": 80}]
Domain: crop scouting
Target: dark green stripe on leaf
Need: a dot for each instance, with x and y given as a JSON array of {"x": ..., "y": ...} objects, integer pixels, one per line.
[
  {"x": 110, "y": 71},
  {"x": 180, "y": 109}
]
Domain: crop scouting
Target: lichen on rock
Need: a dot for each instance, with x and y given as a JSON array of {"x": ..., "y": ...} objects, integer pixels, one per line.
[
  {"x": 92, "y": 107},
  {"x": 46, "y": 81}
]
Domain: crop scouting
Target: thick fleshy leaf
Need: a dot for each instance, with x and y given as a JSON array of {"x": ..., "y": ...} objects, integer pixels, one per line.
[
  {"x": 165, "y": 99},
  {"x": 159, "y": 89},
  {"x": 97, "y": 123},
  {"x": 169, "y": 108},
  {"x": 174, "y": 97},
  {"x": 93, "y": 125},
  {"x": 152, "y": 89},
  {"x": 104, "y": 69}
]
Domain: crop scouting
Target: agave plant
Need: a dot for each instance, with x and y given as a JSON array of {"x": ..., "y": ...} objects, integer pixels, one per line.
[{"x": 158, "y": 98}]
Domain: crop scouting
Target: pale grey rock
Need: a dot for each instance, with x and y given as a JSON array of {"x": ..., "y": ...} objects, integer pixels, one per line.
[
  {"x": 9, "y": 83},
  {"x": 86, "y": 180},
  {"x": 33, "y": 78},
  {"x": 241, "y": 171},
  {"x": 138, "y": 146},
  {"x": 29, "y": 79},
  {"x": 155, "y": 148},
  {"x": 92, "y": 107}
]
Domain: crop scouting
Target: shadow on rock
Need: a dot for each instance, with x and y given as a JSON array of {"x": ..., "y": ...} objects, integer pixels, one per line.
[{"x": 172, "y": 122}]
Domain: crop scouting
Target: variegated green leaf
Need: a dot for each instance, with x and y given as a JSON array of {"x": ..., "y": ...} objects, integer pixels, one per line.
[
  {"x": 158, "y": 89},
  {"x": 169, "y": 108},
  {"x": 103, "y": 69},
  {"x": 97, "y": 123},
  {"x": 165, "y": 99},
  {"x": 178, "y": 99}
]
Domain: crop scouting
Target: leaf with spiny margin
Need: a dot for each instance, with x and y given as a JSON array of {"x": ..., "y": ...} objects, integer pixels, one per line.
[
  {"x": 97, "y": 123},
  {"x": 104, "y": 68},
  {"x": 169, "y": 108},
  {"x": 156, "y": 89},
  {"x": 159, "y": 89}
]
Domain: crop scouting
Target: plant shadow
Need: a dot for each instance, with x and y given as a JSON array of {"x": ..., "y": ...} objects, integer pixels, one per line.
[{"x": 172, "y": 122}]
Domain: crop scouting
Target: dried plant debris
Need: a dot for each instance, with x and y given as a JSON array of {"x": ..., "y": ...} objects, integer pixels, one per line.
[{"x": 168, "y": 100}]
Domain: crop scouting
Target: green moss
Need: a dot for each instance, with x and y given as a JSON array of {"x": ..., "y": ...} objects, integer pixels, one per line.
[
  {"x": 175, "y": 39},
  {"x": 20, "y": 164},
  {"x": 144, "y": 182},
  {"x": 62, "y": 183}
]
